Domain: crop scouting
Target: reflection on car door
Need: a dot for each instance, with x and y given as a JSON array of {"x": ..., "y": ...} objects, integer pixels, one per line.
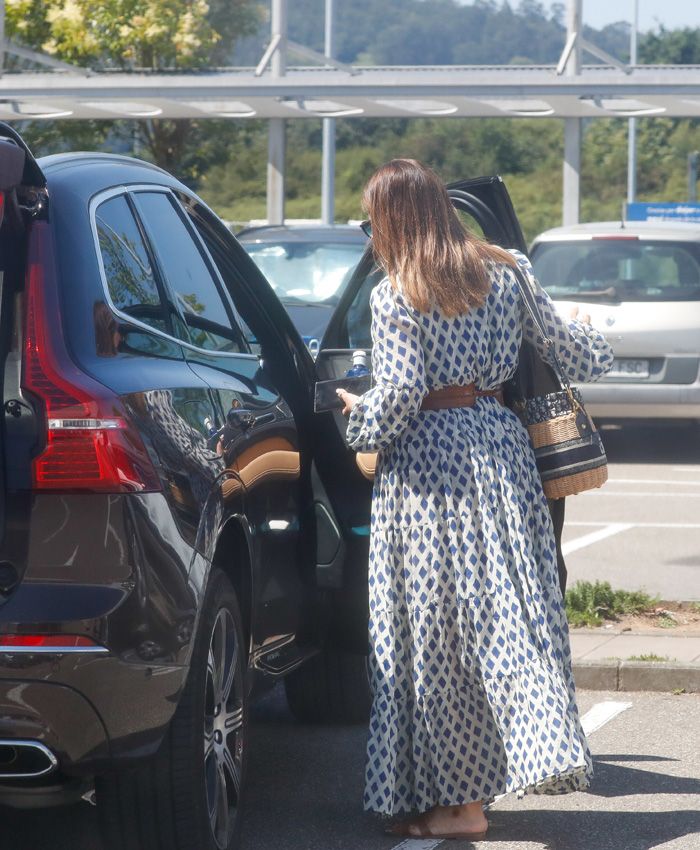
[
  {"x": 250, "y": 431},
  {"x": 158, "y": 387}
]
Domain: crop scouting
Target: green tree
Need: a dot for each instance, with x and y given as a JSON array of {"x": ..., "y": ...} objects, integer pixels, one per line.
[
  {"x": 138, "y": 34},
  {"x": 155, "y": 34},
  {"x": 671, "y": 47}
]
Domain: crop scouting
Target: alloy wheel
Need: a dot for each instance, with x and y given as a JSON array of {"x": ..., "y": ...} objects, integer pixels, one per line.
[{"x": 223, "y": 728}]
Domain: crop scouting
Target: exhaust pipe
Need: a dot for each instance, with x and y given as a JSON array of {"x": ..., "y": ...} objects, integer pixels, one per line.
[{"x": 25, "y": 759}]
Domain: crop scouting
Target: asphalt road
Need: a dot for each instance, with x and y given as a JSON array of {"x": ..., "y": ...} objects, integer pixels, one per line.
[
  {"x": 305, "y": 788},
  {"x": 642, "y": 529}
]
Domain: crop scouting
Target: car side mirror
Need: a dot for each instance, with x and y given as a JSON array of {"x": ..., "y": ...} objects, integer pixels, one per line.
[{"x": 12, "y": 159}]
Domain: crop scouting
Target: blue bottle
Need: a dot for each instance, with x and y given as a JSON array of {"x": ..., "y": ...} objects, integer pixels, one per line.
[{"x": 359, "y": 365}]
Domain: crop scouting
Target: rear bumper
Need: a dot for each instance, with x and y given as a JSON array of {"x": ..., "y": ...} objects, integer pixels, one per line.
[
  {"x": 642, "y": 401},
  {"x": 111, "y": 711},
  {"x": 56, "y": 716},
  {"x": 113, "y": 569}
]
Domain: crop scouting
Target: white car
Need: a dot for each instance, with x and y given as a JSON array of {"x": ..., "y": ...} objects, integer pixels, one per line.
[{"x": 640, "y": 282}]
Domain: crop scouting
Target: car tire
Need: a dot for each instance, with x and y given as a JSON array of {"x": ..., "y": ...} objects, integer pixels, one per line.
[
  {"x": 332, "y": 687},
  {"x": 188, "y": 797}
]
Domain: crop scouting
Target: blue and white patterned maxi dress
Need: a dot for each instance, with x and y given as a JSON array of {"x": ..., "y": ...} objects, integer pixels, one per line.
[{"x": 470, "y": 658}]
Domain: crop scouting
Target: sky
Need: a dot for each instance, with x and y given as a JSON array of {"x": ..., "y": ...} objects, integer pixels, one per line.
[{"x": 672, "y": 14}]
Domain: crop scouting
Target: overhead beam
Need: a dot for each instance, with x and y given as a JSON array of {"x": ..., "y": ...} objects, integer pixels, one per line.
[
  {"x": 314, "y": 55},
  {"x": 604, "y": 56},
  {"x": 268, "y": 54},
  {"x": 42, "y": 59},
  {"x": 514, "y": 91}
]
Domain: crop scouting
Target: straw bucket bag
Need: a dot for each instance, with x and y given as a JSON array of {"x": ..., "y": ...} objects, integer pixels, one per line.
[{"x": 568, "y": 450}]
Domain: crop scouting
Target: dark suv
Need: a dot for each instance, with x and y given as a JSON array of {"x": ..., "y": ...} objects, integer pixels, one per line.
[{"x": 178, "y": 529}]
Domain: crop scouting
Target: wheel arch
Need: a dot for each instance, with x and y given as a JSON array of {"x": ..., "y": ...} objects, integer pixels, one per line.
[{"x": 233, "y": 556}]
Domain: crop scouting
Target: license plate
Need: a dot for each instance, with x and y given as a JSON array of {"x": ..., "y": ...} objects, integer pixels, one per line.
[{"x": 628, "y": 368}]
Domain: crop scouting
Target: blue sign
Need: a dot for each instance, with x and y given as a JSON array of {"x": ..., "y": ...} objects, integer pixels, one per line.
[{"x": 664, "y": 212}]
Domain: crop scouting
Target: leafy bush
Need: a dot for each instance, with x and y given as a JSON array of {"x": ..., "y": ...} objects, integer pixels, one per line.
[{"x": 588, "y": 603}]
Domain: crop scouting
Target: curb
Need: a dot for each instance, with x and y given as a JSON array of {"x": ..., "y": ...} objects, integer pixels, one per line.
[{"x": 616, "y": 675}]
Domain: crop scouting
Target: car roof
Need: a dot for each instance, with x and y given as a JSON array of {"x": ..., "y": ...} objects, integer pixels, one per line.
[
  {"x": 302, "y": 233},
  {"x": 87, "y": 173},
  {"x": 55, "y": 160},
  {"x": 661, "y": 230}
]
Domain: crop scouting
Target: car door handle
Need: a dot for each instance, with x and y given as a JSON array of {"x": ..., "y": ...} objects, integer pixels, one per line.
[{"x": 240, "y": 418}]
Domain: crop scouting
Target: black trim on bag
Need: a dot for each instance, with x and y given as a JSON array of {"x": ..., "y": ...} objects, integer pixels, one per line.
[
  {"x": 556, "y": 405},
  {"x": 567, "y": 445},
  {"x": 568, "y": 463}
]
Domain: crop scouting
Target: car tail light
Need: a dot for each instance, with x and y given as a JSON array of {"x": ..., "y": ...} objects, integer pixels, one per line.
[
  {"x": 615, "y": 238},
  {"x": 90, "y": 444},
  {"x": 45, "y": 641}
]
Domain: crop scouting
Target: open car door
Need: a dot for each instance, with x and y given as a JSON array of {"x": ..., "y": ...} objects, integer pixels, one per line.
[
  {"x": 486, "y": 209},
  {"x": 22, "y": 197}
]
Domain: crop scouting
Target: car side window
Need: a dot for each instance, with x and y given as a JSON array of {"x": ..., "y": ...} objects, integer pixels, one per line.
[
  {"x": 209, "y": 321},
  {"x": 228, "y": 266},
  {"x": 127, "y": 266}
]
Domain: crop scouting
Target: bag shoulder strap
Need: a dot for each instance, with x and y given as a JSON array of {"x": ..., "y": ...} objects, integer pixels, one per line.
[{"x": 533, "y": 309}]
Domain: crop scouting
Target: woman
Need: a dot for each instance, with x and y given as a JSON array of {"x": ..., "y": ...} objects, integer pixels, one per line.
[{"x": 470, "y": 658}]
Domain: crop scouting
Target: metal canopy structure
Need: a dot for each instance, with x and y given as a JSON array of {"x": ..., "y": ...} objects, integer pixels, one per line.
[{"x": 369, "y": 92}]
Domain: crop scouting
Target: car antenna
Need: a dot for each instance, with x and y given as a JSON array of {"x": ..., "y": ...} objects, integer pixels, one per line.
[{"x": 622, "y": 217}]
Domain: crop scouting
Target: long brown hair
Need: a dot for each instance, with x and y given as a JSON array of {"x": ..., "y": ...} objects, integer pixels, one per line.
[{"x": 418, "y": 239}]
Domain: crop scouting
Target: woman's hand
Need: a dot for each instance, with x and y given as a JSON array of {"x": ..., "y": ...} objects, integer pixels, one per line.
[
  {"x": 584, "y": 317},
  {"x": 349, "y": 401}
]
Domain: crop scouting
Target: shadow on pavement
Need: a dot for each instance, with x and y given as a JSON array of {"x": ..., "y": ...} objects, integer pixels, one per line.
[
  {"x": 589, "y": 830},
  {"x": 69, "y": 828},
  {"x": 643, "y": 441},
  {"x": 613, "y": 780},
  {"x": 305, "y": 784}
]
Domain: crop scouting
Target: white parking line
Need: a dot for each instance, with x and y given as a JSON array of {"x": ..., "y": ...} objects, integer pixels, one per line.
[
  {"x": 593, "y": 720},
  {"x": 602, "y": 713},
  {"x": 595, "y": 536}
]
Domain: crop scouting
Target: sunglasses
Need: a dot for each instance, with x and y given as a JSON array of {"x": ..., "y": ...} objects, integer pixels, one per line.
[{"x": 366, "y": 226}]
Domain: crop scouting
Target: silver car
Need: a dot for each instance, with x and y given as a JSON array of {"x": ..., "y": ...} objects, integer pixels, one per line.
[{"x": 640, "y": 282}]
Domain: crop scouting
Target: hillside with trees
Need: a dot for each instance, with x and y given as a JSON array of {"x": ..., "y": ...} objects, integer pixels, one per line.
[{"x": 225, "y": 160}]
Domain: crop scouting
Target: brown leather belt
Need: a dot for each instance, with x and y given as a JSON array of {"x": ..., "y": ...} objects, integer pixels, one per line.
[{"x": 458, "y": 396}]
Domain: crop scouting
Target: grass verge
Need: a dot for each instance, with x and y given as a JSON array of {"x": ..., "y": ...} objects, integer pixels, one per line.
[
  {"x": 650, "y": 656},
  {"x": 589, "y": 603}
]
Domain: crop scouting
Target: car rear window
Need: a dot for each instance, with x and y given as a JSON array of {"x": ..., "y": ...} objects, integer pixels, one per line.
[
  {"x": 127, "y": 266},
  {"x": 619, "y": 269}
]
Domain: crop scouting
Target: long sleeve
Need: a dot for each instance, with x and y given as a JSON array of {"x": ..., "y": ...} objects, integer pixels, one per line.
[
  {"x": 584, "y": 353},
  {"x": 383, "y": 412}
]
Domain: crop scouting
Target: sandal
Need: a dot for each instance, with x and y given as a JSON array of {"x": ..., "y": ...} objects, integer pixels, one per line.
[{"x": 418, "y": 828}]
